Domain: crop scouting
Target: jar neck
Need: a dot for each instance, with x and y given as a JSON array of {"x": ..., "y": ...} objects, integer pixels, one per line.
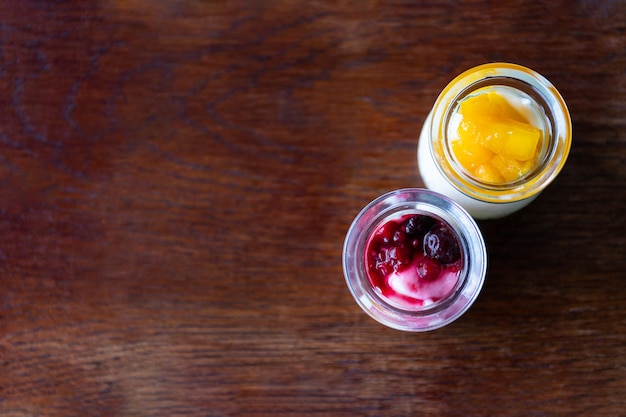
[{"x": 552, "y": 117}]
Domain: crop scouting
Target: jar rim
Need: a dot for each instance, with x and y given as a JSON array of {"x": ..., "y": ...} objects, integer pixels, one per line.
[{"x": 546, "y": 97}]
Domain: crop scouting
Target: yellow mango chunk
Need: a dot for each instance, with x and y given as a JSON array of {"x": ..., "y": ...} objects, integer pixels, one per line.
[
  {"x": 495, "y": 144},
  {"x": 521, "y": 142},
  {"x": 509, "y": 168},
  {"x": 470, "y": 154},
  {"x": 502, "y": 108},
  {"x": 476, "y": 107},
  {"x": 510, "y": 138},
  {"x": 487, "y": 173},
  {"x": 489, "y": 104}
]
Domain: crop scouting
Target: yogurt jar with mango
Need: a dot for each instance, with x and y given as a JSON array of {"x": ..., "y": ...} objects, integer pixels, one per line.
[{"x": 496, "y": 137}]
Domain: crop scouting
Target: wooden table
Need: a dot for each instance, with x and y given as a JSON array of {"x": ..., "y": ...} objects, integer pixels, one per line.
[{"x": 177, "y": 178}]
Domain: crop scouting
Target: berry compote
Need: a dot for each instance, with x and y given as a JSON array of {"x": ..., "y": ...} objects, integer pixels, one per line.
[{"x": 413, "y": 260}]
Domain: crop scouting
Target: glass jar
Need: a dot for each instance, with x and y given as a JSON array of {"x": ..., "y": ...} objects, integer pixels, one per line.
[
  {"x": 532, "y": 95},
  {"x": 473, "y": 259}
]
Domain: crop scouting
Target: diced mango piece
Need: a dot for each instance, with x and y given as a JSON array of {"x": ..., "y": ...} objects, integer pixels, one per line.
[
  {"x": 503, "y": 108},
  {"x": 489, "y": 104},
  {"x": 510, "y": 169},
  {"x": 508, "y": 137},
  {"x": 476, "y": 107},
  {"x": 470, "y": 154},
  {"x": 493, "y": 135},
  {"x": 495, "y": 144},
  {"x": 487, "y": 173},
  {"x": 521, "y": 142}
]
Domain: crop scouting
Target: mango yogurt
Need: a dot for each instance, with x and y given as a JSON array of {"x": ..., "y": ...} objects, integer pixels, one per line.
[{"x": 497, "y": 135}]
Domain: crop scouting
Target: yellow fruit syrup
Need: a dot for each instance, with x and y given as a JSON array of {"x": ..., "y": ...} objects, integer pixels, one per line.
[{"x": 496, "y": 143}]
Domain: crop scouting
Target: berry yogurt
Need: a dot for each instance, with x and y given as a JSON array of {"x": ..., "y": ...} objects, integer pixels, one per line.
[{"x": 414, "y": 260}]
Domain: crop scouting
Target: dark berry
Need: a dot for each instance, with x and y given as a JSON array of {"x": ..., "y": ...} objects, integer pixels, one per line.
[
  {"x": 389, "y": 258},
  {"x": 398, "y": 237},
  {"x": 428, "y": 268},
  {"x": 418, "y": 225},
  {"x": 399, "y": 256},
  {"x": 386, "y": 232},
  {"x": 440, "y": 243}
]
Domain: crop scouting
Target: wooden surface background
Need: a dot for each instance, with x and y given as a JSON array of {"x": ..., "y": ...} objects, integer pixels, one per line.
[{"x": 177, "y": 178}]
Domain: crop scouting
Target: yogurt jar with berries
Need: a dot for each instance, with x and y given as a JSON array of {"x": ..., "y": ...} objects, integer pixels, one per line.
[
  {"x": 497, "y": 135},
  {"x": 414, "y": 260}
]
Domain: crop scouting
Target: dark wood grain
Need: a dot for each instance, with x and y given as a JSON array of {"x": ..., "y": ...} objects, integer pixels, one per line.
[{"x": 177, "y": 178}]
